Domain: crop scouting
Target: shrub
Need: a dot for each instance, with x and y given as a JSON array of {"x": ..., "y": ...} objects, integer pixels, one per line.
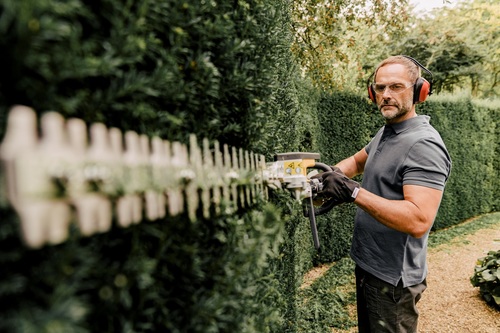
[{"x": 487, "y": 277}]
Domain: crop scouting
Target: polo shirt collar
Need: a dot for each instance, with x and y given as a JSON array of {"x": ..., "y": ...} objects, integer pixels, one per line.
[{"x": 409, "y": 123}]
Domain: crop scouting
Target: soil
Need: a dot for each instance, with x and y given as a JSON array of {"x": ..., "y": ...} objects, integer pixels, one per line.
[{"x": 451, "y": 304}]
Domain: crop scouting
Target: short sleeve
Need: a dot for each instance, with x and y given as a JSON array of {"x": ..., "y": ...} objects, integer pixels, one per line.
[{"x": 427, "y": 164}]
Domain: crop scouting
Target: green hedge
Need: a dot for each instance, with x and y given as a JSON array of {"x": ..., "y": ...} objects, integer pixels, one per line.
[
  {"x": 347, "y": 122},
  {"x": 168, "y": 68},
  {"x": 470, "y": 132},
  {"x": 171, "y": 276}
]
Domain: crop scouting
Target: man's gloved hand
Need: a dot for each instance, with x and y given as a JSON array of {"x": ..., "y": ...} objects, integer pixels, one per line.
[{"x": 338, "y": 186}]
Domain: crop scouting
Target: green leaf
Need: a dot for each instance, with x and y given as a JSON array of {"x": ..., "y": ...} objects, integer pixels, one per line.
[
  {"x": 490, "y": 263},
  {"x": 488, "y": 276}
]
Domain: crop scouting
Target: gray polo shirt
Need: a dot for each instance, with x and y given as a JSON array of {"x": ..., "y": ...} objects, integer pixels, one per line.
[{"x": 408, "y": 153}]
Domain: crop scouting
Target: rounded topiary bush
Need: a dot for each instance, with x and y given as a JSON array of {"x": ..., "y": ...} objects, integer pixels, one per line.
[{"x": 487, "y": 277}]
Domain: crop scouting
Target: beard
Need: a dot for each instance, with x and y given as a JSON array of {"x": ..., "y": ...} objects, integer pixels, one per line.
[{"x": 391, "y": 110}]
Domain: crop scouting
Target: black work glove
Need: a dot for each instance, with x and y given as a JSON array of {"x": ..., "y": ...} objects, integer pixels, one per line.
[
  {"x": 336, "y": 169},
  {"x": 338, "y": 186},
  {"x": 319, "y": 198}
]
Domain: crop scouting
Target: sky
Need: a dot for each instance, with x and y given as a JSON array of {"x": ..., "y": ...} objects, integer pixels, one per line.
[{"x": 428, "y": 5}]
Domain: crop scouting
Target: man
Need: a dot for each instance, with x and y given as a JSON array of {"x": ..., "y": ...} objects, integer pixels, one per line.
[{"x": 404, "y": 167}]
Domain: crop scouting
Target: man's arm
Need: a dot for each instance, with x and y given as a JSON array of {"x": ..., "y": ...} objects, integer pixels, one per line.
[
  {"x": 413, "y": 215},
  {"x": 354, "y": 165}
]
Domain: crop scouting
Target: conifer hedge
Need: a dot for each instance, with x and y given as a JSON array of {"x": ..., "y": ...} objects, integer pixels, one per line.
[
  {"x": 166, "y": 68},
  {"x": 169, "y": 68},
  {"x": 470, "y": 131}
]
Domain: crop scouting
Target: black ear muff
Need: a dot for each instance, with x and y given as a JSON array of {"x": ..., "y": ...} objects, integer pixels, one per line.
[{"x": 421, "y": 90}]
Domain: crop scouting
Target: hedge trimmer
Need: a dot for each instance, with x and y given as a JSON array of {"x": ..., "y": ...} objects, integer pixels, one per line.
[
  {"x": 289, "y": 171},
  {"x": 61, "y": 172}
]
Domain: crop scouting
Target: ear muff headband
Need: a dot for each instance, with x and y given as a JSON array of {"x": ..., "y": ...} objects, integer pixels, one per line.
[{"x": 421, "y": 90}]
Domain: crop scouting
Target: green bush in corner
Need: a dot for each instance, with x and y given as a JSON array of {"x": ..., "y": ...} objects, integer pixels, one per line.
[{"x": 487, "y": 277}]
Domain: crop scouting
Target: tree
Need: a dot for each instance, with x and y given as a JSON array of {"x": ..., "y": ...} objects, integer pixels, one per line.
[
  {"x": 334, "y": 39},
  {"x": 338, "y": 43},
  {"x": 460, "y": 46}
]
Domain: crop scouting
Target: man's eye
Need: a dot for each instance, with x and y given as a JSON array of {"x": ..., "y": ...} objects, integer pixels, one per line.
[
  {"x": 379, "y": 88},
  {"x": 397, "y": 87}
]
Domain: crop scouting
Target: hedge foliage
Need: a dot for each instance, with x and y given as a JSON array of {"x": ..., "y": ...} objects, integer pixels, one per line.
[
  {"x": 222, "y": 70},
  {"x": 470, "y": 132},
  {"x": 167, "y": 68},
  {"x": 346, "y": 124},
  {"x": 173, "y": 276}
]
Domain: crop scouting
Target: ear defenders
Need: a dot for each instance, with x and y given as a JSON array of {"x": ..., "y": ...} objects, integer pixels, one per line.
[{"x": 421, "y": 89}]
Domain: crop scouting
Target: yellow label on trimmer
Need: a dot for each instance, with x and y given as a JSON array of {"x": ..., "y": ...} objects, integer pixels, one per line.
[{"x": 297, "y": 167}]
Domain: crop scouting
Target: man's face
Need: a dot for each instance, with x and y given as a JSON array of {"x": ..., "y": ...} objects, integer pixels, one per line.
[{"x": 394, "y": 93}]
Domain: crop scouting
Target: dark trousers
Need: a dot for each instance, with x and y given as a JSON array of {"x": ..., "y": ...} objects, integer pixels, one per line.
[{"x": 383, "y": 307}]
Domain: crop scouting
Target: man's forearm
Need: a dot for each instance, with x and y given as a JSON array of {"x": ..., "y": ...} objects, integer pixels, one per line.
[
  {"x": 349, "y": 167},
  {"x": 401, "y": 215},
  {"x": 353, "y": 165}
]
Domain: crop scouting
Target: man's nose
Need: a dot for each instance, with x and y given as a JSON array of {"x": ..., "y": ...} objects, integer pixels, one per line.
[{"x": 385, "y": 96}]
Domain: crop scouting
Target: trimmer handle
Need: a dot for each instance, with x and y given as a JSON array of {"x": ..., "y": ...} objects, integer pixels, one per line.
[
  {"x": 308, "y": 204},
  {"x": 327, "y": 206}
]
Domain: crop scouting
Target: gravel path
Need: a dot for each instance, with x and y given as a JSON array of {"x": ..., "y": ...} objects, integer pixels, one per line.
[{"x": 451, "y": 304}]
